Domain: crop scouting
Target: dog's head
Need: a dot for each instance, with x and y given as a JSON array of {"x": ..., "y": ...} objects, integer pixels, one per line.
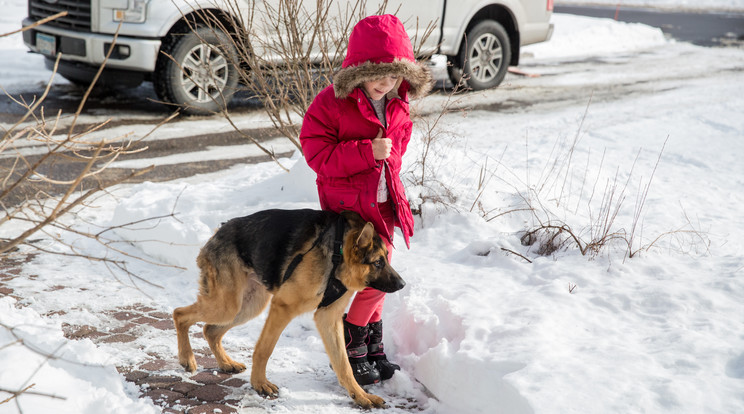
[{"x": 366, "y": 259}]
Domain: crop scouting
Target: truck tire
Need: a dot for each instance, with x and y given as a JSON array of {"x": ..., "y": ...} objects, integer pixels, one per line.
[
  {"x": 483, "y": 59},
  {"x": 195, "y": 71}
]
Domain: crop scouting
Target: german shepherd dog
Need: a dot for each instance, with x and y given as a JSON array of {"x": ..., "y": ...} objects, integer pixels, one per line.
[{"x": 302, "y": 260}]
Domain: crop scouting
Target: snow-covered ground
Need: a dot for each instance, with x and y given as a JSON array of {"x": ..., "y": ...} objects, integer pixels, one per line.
[{"x": 478, "y": 329}]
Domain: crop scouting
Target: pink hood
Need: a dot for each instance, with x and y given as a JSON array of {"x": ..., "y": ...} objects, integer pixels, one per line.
[{"x": 379, "y": 46}]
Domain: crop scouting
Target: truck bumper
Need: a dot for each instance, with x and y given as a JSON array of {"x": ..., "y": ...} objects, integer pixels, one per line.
[
  {"x": 130, "y": 53},
  {"x": 535, "y": 33}
]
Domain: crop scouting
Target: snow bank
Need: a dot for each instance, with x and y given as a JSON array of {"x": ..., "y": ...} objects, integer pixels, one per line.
[
  {"x": 176, "y": 237},
  {"x": 579, "y": 36},
  {"x": 77, "y": 379}
]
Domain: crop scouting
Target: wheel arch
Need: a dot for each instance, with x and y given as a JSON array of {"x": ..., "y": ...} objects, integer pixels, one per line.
[
  {"x": 213, "y": 20},
  {"x": 504, "y": 16},
  {"x": 205, "y": 16}
]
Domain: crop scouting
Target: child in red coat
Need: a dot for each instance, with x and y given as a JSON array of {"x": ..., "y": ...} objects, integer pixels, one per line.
[{"x": 353, "y": 136}]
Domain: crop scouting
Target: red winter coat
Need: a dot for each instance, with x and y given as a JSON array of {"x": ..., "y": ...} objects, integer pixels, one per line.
[{"x": 339, "y": 125}]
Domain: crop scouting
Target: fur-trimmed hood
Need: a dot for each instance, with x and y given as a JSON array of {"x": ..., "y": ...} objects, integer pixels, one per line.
[{"x": 379, "y": 46}]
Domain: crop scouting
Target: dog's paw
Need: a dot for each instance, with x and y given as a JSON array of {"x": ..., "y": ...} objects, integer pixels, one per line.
[
  {"x": 368, "y": 400},
  {"x": 265, "y": 388},
  {"x": 232, "y": 367},
  {"x": 189, "y": 364}
]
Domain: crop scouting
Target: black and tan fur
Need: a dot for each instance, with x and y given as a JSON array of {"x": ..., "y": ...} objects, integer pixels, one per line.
[{"x": 243, "y": 267}]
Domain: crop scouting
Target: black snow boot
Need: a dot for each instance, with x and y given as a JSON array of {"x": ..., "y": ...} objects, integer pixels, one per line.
[
  {"x": 356, "y": 338},
  {"x": 376, "y": 352}
]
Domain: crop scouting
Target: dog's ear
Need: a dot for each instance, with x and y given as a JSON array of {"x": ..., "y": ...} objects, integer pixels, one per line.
[
  {"x": 353, "y": 218},
  {"x": 365, "y": 236}
]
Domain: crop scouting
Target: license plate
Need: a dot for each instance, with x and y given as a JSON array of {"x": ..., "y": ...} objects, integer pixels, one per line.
[{"x": 46, "y": 44}]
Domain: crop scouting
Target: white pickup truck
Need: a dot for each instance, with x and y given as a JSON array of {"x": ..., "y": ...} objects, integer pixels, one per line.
[{"x": 480, "y": 38}]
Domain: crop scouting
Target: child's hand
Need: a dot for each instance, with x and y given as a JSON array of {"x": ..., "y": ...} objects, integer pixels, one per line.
[{"x": 381, "y": 147}]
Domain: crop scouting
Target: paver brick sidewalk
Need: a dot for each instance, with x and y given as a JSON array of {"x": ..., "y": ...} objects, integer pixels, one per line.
[{"x": 208, "y": 391}]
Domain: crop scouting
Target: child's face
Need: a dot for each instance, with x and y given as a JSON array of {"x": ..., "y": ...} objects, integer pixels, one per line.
[{"x": 378, "y": 88}]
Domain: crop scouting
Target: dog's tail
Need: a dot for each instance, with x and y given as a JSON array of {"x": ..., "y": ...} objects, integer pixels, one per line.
[{"x": 208, "y": 273}]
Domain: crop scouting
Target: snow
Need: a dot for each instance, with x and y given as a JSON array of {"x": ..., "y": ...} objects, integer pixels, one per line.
[
  {"x": 80, "y": 374},
  {"x": 25, "y": 68},
  {"x": 580, "y": 36},
  {"x": 477, "y": 329}
]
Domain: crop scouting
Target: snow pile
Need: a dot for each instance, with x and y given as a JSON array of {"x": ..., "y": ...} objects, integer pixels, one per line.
[
  {"x": 79, "y": 376},
  {"x": 177, "y": 241},
  {"x": 574, "y": 37}
]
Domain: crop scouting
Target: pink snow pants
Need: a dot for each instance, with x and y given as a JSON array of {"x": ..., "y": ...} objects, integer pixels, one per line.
[{"x": 366, "y": 306}]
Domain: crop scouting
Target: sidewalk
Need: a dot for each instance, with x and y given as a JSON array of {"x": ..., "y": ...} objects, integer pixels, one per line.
[{"x": 159, "y": 377}]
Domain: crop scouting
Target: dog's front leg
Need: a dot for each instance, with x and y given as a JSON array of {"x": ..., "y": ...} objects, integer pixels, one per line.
[{"x": 330, "y": 326}]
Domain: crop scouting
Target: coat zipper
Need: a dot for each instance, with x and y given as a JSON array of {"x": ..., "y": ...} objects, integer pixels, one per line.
[{"x": 393, "y": 195}]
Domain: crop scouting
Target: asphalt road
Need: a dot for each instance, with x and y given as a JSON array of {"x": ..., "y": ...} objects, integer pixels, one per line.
[{"x": 703, "y": 29}]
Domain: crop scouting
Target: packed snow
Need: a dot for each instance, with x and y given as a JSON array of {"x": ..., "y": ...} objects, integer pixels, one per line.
[{"x": 485, "y": 323}]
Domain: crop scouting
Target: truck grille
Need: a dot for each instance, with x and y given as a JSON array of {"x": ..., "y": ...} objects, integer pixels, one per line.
[{"x": 78, "y": 13}]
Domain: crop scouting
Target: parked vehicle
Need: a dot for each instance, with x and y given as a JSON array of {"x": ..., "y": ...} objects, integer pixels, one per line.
[{"x": 156, "y": 42}]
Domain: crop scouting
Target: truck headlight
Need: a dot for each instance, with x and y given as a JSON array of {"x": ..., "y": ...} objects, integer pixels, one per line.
[{"x": 136, "y": 12}]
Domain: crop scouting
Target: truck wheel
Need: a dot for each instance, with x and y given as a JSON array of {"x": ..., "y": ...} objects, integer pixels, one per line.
[
  {"x": 484, "y": 57},
  {"x": 195, "y": 71}
]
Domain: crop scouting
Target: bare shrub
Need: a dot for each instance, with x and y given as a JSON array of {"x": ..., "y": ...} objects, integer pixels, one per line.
[
  {"x": 552, "y": 233},
  {"x": 424, "y": 181},
  {"x": 33, "y": 194},
  {"x": 287, "y": 52},
  {"x": 570, "y": 209},
  {"x": 51, "y": 170}
]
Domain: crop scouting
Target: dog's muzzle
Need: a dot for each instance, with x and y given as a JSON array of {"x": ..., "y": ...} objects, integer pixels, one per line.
[{"x": 389, "y": 283}]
